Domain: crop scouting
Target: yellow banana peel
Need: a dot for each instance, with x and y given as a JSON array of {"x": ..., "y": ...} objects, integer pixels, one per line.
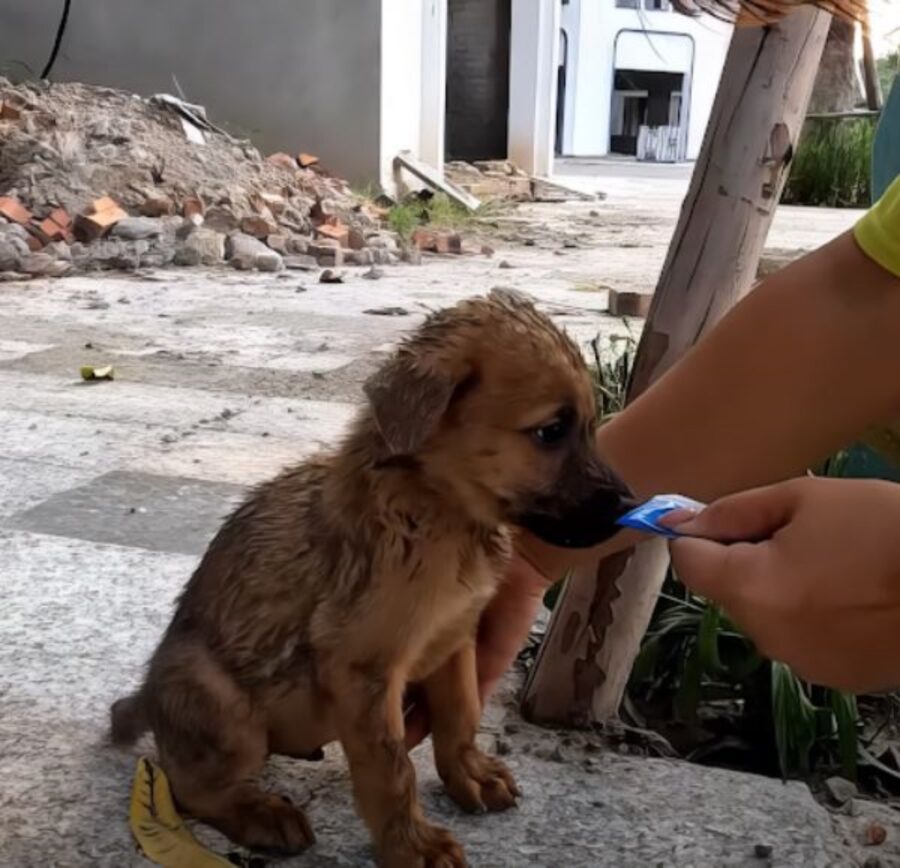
[{"x": 158, "y": 828}]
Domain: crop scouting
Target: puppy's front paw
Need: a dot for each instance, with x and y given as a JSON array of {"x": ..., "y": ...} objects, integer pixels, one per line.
[
  {"x": 478, "y": 782},
  {"x": 418, "y": 844}
]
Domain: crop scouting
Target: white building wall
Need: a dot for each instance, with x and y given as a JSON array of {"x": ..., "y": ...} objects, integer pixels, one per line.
[
  {"x": 596, "y": 23},
  {"x": 534, "y": 54}
]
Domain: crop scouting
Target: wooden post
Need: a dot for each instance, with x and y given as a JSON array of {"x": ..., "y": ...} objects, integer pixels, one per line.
[{"x": 601, "y": 616}]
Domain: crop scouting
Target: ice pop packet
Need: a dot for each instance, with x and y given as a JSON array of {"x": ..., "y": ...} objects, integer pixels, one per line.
[{"x": 646, "y": 516}]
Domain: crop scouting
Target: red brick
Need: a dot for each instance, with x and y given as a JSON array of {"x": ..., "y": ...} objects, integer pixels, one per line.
[
  {"x": 284, "y": 161},
  {"x": 425, "y": 239},
  {"x": 307, "y": 160},
  {"x": 157, "y": 206},
  {"x": 104, "y": 214},
  {"x": 51, "y": 230},
  {"x": 33, "y": 241},
  {"x": 629, "y": 303},
  {"x": 192, "y": 206},
  {"x": 339, "y": 233},
  {"x": 449, "y": 242},
  {"x": 13, "y": 210},
  {"x": 258, "y": 226},
  {"x": 9, "y": 112}
]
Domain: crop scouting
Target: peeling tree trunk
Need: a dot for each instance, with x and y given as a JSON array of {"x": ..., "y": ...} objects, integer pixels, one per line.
[
  {"x": 837, "y": 82},
  {"x": 601, "y": 616}
]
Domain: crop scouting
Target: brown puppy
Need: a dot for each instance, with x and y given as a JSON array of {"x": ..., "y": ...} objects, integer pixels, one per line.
[{"x": 356, "y": 573}]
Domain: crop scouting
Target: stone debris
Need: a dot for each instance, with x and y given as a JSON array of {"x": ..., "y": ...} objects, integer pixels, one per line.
[
  {"x": 493, "y": 180},
  {"x": 93, "y": 178}
]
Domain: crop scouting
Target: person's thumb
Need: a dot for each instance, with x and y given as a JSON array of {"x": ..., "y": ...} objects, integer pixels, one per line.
[
  {"x": 750, "y": 516},
  {"x": 700, "y": 565}
]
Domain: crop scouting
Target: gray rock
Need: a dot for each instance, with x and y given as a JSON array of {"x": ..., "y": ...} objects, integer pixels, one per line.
[
  {"x": 59, "y": 250},
  {"x": 359, "y": 257},
  {"x": 278, "y": 242},
  {"x": 10, "y": 255},
  {"x": 382, "y": 241},
  {"x": 137, "y": 228},
  {"x": 43, "y": 265},
  {"x": 110, "y": 254},
  {"x": 374, "y": 274},
  {"x": 245, "y": 253},
  {"x": 203, "y": 246},
  {"x": 297, "y": 244},
  {"x": 221, "y": 219},
  {"x": 299, "y": 262},
  {"x": 269, "y": 261},
  {"x": 840, "y": 790}
]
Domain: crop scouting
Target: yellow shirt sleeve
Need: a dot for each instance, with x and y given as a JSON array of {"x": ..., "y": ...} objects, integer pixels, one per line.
[{"x": 878, "y": 232}]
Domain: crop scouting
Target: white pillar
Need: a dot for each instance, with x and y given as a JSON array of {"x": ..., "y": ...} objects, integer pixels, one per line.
[
  {"x": 434, "y": 83},
  {"x": 534, "y": 57},
  {"x": 401, "y": 83}
]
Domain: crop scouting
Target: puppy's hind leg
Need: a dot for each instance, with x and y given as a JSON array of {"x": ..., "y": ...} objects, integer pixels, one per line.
[{"x": 212, "y": 745}]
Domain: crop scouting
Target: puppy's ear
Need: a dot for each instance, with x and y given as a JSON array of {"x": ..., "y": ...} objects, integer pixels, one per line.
[{"x": 407, "y": 403}]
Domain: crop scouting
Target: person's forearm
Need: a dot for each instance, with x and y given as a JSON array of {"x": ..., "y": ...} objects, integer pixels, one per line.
[{"x": 796, "y": 370}]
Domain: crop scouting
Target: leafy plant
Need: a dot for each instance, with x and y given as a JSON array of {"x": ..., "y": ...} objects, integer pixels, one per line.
[
  {"x": 833, "y": 163},
  {"x": 888, "y": 69},
  {"x": 437, "y": 210}
]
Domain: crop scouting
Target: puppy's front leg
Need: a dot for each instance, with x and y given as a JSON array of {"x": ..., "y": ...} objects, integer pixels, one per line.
[
  {"x": 370, "y": 723},
  {"x": 474, "y": 780}
]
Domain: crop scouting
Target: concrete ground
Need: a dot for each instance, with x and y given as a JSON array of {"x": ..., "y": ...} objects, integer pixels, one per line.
[{"x": 108, "y": 493}]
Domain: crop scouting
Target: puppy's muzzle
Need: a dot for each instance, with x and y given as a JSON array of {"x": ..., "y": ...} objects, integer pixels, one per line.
[{"x": 583, "y": 508}]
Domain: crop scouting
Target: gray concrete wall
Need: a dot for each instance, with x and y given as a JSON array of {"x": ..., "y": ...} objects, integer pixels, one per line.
[{"x": 295, "y": 75}]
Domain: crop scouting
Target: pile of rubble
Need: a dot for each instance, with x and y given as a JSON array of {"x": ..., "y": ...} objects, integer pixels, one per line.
[{"x": 94, "y": 178}]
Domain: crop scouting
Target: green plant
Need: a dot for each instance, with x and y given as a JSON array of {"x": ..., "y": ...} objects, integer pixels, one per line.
[
  {"x": 439, "y": 211},
  {"x": 888, "y": 70},
  {"x": 611, "y": 371},
  {"x": 832, "y": 165},
  {"x": 697, "y": 668}
]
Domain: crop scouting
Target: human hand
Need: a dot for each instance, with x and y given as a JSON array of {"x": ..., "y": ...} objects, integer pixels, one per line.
[{"x": 810, "y": 570}]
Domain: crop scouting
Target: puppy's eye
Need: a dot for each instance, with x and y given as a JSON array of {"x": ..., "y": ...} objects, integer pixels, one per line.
[{"x": 553, "y": 432}]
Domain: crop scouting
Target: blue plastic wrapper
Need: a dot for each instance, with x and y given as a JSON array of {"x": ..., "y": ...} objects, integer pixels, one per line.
[{"x": 646, "y": 516}]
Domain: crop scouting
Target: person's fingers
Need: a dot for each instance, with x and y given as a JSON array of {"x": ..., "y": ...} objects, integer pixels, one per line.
[
  {"x": 704, "y": 567},
  {"x": 749, "y": 516}
]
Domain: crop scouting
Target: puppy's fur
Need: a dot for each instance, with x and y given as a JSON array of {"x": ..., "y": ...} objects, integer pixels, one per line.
[{"x": 359, "y": 572}]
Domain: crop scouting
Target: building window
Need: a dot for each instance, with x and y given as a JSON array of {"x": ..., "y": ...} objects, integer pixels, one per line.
[
  {"x": 628, "y": 4},
  {"x": 657, "y": 5}
]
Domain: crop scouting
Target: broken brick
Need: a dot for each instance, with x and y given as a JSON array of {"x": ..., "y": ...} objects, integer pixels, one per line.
[
  {"x": 356, "y": 240},
  {"x": 157, "y": 206},
  {"x": 34, "y": 241},
  {"x": 9, "y": 112},
  {"x": 14, "y": 211},
  {"x": 56, "y": 227},
  {"x": 629, "y": 303},
  {"x": 105, "y": 213},
  {"x": 449, "y": 242},
  {"x": 259, "y": 226},
  {"x": 271, "y": 201},
  {"x": 191, "y": 207},
  {"x": 282, "y": 160},
  {"x": 307, "y": 160},
  {"x": 425, "y": 239},
  {"x": 339, "y": 233}
]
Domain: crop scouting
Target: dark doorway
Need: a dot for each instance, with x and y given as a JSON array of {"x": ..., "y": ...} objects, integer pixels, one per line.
[
  {"x": 478, "y": 40},
  {"x": 641, "y": 98},
  {"x": 561, "y": 90}
]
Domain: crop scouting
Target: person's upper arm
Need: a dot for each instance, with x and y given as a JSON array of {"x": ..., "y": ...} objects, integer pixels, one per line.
[{"x": 878, "y": 232}]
